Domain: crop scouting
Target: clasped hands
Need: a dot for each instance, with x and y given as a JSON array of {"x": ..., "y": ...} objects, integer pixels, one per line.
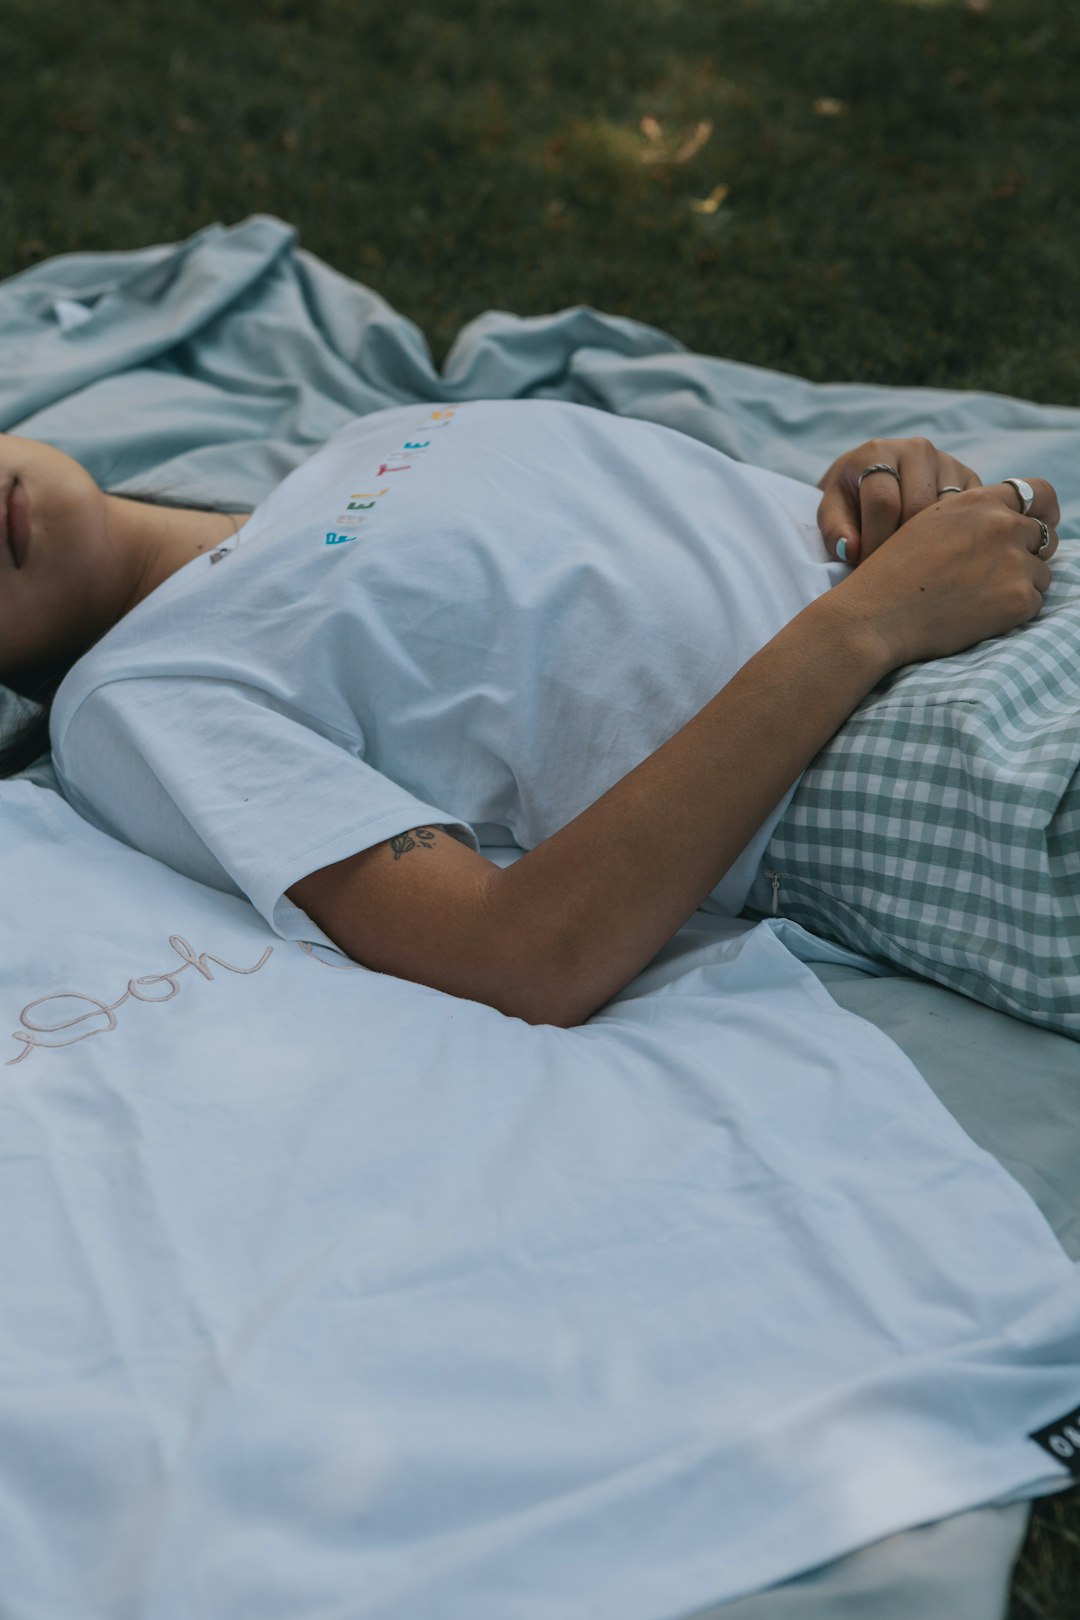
[{"x": 865, "y": 517}]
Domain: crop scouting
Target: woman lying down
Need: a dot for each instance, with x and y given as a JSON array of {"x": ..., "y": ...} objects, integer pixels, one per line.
[{"x": 673, "y": 680}]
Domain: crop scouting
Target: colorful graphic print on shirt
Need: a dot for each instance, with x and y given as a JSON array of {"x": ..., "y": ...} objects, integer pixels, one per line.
[{"x": 362, "y": 504}]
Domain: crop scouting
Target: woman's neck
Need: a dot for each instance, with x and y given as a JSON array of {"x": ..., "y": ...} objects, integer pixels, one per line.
[{"x": 155, "y": 541}]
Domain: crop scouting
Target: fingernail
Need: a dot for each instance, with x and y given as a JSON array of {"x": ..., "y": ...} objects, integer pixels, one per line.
[{"x": 841, "y": 550}]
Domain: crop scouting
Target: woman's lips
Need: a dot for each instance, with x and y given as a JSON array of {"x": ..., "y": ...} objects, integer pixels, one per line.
[{"x": 18, "y": 523}]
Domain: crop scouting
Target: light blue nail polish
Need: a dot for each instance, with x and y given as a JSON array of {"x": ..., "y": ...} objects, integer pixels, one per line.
[{"x": 841, "y": 550}]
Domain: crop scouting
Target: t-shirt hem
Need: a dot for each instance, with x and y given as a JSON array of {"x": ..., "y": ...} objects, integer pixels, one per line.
[{"x": 289, "y": 921}]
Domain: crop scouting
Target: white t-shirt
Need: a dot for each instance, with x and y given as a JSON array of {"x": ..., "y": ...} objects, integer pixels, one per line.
[{"x": 478, "y": 616}]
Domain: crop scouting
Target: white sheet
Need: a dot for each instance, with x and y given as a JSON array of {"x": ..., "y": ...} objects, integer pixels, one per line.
[{"x": 320, "y": 1287}]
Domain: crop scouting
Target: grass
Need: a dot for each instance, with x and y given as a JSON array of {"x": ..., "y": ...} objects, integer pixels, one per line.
[
  {"x": 864, "y": 192},
  {"x": 1046, "y": 1580},
  {"x": 889, "y": 189}
]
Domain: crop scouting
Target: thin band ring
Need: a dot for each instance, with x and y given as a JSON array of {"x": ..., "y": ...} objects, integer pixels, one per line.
[
  {"x": 878, "y": 466},
  {"x": 951, "y": 489},
  {"x": 1045, "y": 547}
]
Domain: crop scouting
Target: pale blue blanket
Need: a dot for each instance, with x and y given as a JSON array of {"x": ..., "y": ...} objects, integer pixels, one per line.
[{"x": 209, "y": 368}]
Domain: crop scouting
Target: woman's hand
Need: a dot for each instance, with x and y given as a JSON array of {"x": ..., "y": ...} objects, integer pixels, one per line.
[
  {"x": 865, "y": 517},
  {"x": 968, "y": 568}
]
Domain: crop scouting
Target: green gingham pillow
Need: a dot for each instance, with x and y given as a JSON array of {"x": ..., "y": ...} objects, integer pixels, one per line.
[{"x": 940, "y": 828}]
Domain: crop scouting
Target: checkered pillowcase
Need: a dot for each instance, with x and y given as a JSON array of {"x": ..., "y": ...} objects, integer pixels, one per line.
[{"x": 940, "y": 828}]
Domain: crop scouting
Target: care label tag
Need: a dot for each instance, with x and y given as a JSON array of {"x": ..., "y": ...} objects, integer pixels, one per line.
[{"x": 1062, "y": 1440}]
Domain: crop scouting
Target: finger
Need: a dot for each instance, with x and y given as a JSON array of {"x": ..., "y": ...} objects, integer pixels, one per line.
[
  {"x": 1034, "y": 541},
  {"x": 918, "y": 466},
  {"x": 880, "y": 504},
  {"x": 1044, "y": 502},
  {"x": 953, "y": 477},
  {"x": 838, "y": 520}
]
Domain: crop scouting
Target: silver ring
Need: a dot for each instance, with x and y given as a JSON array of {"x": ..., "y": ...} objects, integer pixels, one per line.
[
  {"x": 1025, "y": 492},
  {"x": 1045, "y": 547},
  {"x": 951, "y": 489},
  {"x": 878, "y": 466}
]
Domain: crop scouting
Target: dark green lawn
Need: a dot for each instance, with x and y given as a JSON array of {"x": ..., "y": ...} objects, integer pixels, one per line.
[
  {"x": 849, "y": 189},
  {"x": 871, "y": 190}
]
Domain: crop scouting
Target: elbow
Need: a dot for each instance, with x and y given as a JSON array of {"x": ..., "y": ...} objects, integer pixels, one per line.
[
  {"x": 554, "y": 994},
  {"x": 557, "y": 1018},
  {"x": 538, "y": 977},
  {"x": 529, "y": 979},
  {"x": 542, "y": 1004}
]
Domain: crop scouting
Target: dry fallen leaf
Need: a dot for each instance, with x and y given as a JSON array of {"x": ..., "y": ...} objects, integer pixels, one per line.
[
  {"x": 709, "y": 204},
  {"x": 829, "y": 107},
  {"x": 696, "y": 141},
  {"x": 653, "y": 131}
]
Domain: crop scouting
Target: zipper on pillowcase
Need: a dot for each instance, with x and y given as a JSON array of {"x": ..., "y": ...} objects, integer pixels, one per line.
[{"x": 775, "y": 884}]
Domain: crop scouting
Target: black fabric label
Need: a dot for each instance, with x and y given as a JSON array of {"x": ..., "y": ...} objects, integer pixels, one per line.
[{"x": 1062, "y": 1440}]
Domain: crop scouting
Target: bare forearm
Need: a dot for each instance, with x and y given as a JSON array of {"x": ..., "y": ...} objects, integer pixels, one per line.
[{"x": 597, "y": 900}]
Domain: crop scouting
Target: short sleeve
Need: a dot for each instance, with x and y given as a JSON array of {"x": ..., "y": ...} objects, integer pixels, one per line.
[{"x": 214, "y": 780}]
